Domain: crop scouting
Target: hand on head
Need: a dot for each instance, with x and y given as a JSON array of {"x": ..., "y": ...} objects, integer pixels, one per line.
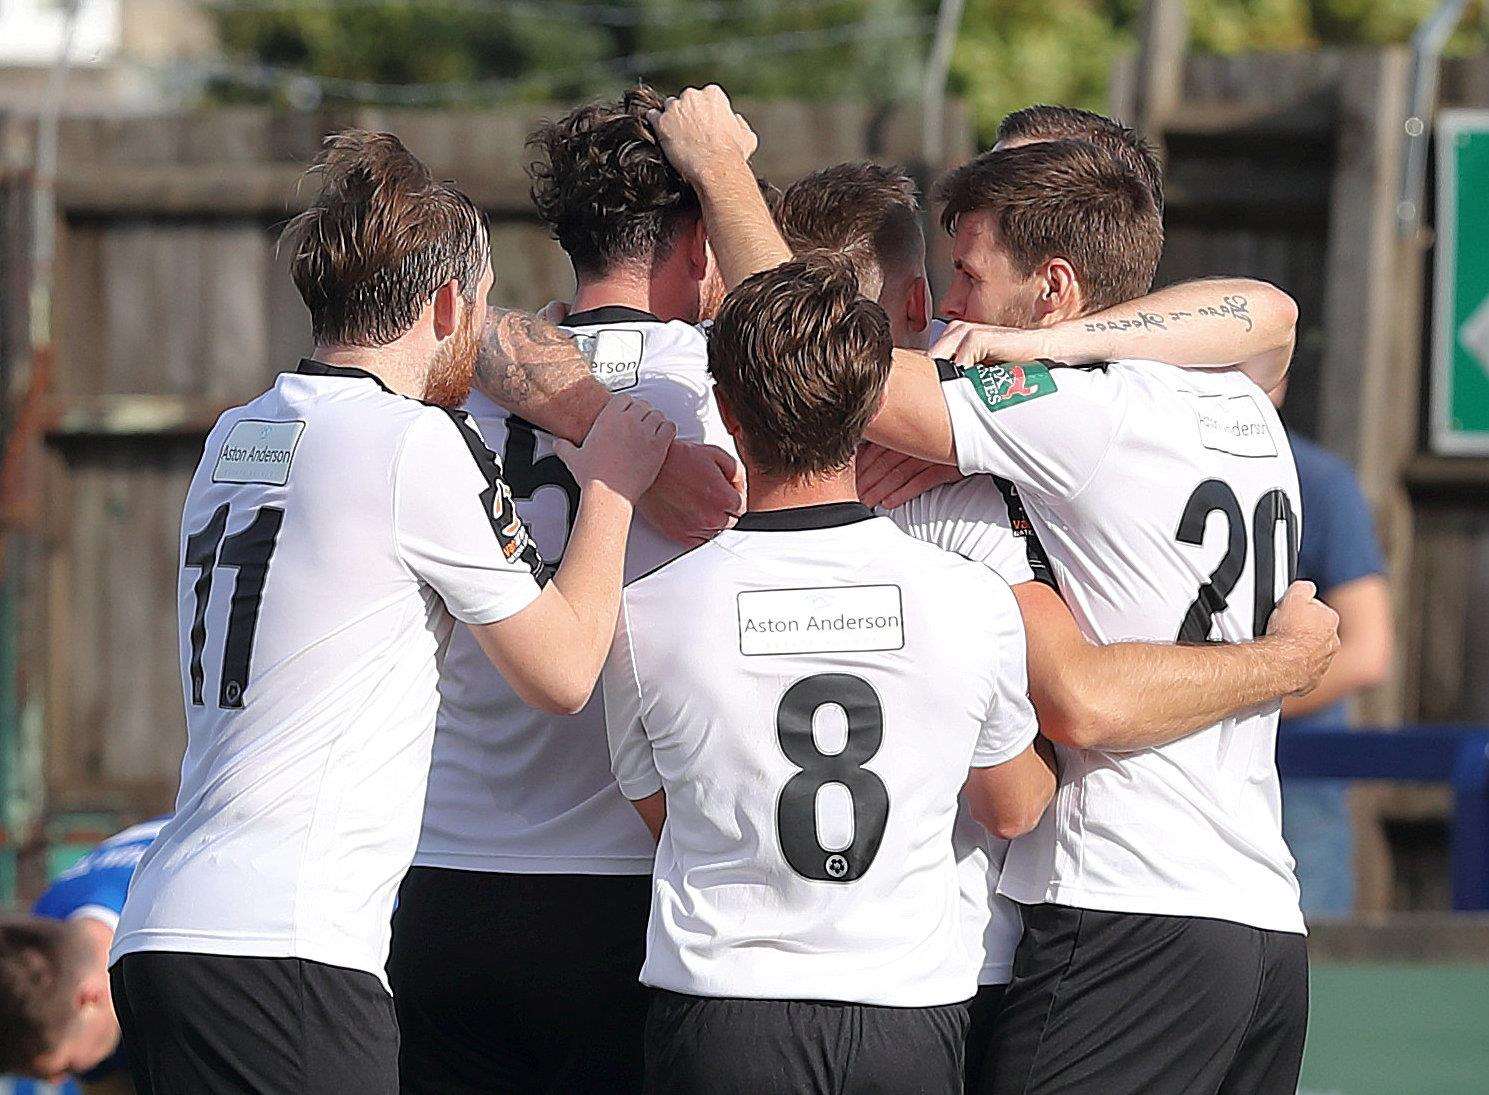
[{"x": 699, "y": 126}]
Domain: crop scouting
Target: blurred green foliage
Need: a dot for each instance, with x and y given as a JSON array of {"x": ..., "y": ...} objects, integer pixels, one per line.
[{"x": 1009, "y": 53}]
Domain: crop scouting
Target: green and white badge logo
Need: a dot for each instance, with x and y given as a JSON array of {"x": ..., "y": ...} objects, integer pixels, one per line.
[{"x": 1000, "y": 386}]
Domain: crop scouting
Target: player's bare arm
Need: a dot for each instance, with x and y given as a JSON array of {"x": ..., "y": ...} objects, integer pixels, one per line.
[
  {"x": 1210, "y": 323},
  {"x": 653, "y": 811},
  {"x": 710, "y": 145},
  {"x": 537, "y": 371},
  {"x": 551, "y": 652},
  {"x": 1125, "y": 696},
  {"x": 1010, "y": 798},
  {"x": 1201, "y": 324}
]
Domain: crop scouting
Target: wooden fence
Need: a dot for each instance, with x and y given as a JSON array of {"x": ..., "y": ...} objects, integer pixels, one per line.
[{"x": 171, "y": 305}]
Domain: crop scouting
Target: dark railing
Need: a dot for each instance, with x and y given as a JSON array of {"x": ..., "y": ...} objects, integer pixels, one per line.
[{"x": 1426, "y": 754}]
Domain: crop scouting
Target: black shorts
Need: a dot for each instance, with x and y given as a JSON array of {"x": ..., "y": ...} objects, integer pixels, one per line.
[
  {"x": 982, "y": 1011},
  {"x": 220, "y": 1023},
  {"x": 1108, "y": 1003},
  {"x": 518, "y": 983},
  {"x": 699, "y": 1045}
]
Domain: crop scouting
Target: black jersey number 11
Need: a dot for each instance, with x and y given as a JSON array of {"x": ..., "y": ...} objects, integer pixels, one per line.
[{"x": 248, "y": 551}]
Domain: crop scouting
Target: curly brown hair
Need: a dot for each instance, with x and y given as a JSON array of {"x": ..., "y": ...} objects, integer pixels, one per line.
[
  {"x": 601, "y": 183},
  {"x": 379, "y": 239},
  {"x": 1063, "y": 198},
  {"x": 801, "y": 359}
]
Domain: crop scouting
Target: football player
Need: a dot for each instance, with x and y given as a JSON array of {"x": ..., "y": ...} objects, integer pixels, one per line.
[
  {"x": 337, "y": 529},
  {"x": 521, "y": 928},
  {"x": 794, "y": 708},
  {"x": 1163, "y": 828}
]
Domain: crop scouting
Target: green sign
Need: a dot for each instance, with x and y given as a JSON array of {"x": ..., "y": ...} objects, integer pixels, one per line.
[{"x": 1460, "y": 350}]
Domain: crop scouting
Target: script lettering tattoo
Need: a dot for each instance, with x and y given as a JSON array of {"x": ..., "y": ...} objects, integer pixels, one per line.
[
  {"x": 1237, "y": 308},
  {"x": 522, "y": 358}
]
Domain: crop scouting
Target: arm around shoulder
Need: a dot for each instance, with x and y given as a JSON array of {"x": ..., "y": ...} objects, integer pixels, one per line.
[{"x": 551, "y": 652}]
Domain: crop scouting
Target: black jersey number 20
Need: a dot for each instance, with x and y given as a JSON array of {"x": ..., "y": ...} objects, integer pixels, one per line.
[
  {"x": 1272, "y": 509},
  {"x": 796, "y": 810}
]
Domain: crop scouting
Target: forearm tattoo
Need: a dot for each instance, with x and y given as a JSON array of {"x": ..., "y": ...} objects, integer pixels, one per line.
[
  {"x": 1236, "y": 308},
  {"x": 523, "y": 358}
]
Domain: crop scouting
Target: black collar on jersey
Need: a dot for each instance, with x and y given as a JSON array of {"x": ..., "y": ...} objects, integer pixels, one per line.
[
  {"x": 609, "y": 313},
  {"x": 311, "y": 367},
  {"x": 798, "y": 518}
]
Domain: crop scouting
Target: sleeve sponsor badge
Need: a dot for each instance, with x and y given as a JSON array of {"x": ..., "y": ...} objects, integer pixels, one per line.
[{"x": 1008, "y": 385}]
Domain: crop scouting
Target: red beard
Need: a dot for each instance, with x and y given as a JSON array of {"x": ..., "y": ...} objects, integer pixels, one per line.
[{"x": 454, "y": 368}]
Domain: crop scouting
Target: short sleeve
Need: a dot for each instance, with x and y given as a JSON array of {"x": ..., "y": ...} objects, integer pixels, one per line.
[
  {"x": 971, "y": 519},
  {"x": 631, "y": 756},
  {"x": 95, "y": 893},
  {"x": 1046, "y": 428},
  {"x": 1010, "y": 725},
  {"x": 457, "y": 527}
]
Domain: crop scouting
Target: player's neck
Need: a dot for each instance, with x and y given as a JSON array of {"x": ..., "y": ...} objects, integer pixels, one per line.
[
  {"x": 632, "y": 288},
  {"x": 397, "y": 365},
  {"x": 767, "y": 492}
]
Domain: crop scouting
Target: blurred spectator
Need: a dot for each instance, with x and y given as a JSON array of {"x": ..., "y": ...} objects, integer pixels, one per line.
[
  {"x": 1341, "y": 555},
  {"x": 56, "y": 1014}
]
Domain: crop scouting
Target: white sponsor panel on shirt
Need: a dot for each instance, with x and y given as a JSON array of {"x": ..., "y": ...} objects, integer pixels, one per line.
[
  {"x": 829, "y": 619},
  {"x": 1235, "y": 424},
  {"x": 615, "y": 357},
  {"x": 258, "y": 452}
]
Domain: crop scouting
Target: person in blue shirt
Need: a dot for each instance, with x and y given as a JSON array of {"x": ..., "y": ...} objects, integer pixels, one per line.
[
  {"x": 56, "y": 1015},
  {"x": 1341, "y": 555}
]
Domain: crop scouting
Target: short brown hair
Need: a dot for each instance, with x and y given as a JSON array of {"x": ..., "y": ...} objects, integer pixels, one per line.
[
  {"x": 1065, "y": 198},
  {"x": 801, "y": 359},
  {"x": 866, "y": 211},
  {"x": 41, "y": 961},
  {"x": 603, "y": 187},
  {"x": 379, "y": 239},
  {"x": 1044, "y": 122}
]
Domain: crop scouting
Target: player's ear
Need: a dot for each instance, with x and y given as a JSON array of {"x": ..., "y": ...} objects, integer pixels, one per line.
[
  {"x": 698, "y": 256},
  {"x": 447, "y": 304},
  {"x": 726, "y": 413},
  {"x": 918, "y": 304},
  {"x": 1060, "y": 293}
]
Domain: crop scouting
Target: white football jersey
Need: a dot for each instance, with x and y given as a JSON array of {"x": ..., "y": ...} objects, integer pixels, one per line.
[
  {"x": 1168, "y": 503},
  {"x": 810, "y": 690},
  {"x": 972, "y": 519},
  {"x": 512, "y": 788},
  {"x": 332, "y": 535}
]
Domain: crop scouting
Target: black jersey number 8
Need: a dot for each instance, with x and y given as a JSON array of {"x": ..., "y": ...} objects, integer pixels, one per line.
[
  {"x": 796, "y": 810},
  {"x": 1272, "y": 508}
]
